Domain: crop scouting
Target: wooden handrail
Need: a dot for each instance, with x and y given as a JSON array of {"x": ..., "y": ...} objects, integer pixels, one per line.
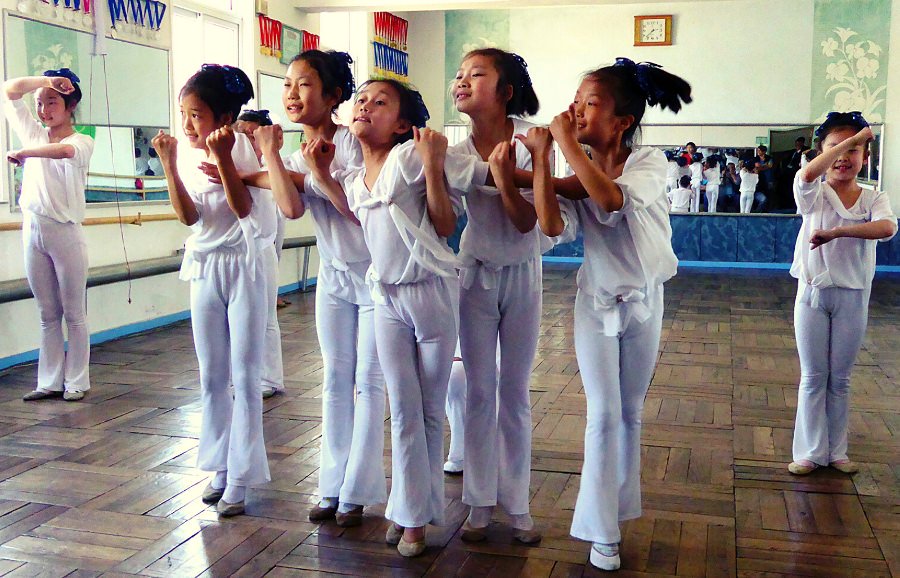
[{"x": 138, "y": 220}]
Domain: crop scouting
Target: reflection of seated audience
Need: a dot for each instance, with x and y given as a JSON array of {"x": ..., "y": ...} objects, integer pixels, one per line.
[
  {"x": 155, "y": 167},
  {"x": 749, "y": 179},
  {"x": 713, "y": 177},
  {"x": 680, "y": 198},
  {"x": 730, "y": 191},
  {"x": 140, "y": 163}
]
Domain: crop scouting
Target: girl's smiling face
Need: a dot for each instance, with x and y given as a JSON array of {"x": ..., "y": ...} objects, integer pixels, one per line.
[
  {"x": 376, "y": 114},
  {"x": 197, "y": 120},
  {"x": 475, "y": 88},
  {"x": 596, "y": 122},
  {"x": 51, "y": 108},
  {"x": 846, "y": 166},
  {"x": 302, "y": 96}
]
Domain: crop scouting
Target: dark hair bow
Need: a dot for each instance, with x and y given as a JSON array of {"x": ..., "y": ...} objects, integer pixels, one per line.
[
  {"x": 653, "y": 93},
  {"x": 234, "y": 82},
  {"x": 345, "y": 59},
  {"x": 523, "y": 70},
  {"x": 63, "y": 72},
  {"x": 852, "y": 119},
  {"x": 420, "y": 111},
  {"x": 260, "y": 117}
]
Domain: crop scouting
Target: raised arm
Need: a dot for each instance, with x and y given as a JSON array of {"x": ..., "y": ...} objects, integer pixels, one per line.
[
  {"x": 48, "y": 151},
  {"x": 182, "y": 203},
  {"x": 221, "y": 143},
  {"x": 319, "y": 155},
  {"x": 819, "y": 165},
  {"x": 432, "y": 147},
  {"x": 538, "y": 142},
  {"x": 286, "y": 193},
  {"x": 881, "y": 229},
  {"x": 16, "y": 88},
  {"x": 503, "y": 163},
  {"x": 599, "y": 187}
]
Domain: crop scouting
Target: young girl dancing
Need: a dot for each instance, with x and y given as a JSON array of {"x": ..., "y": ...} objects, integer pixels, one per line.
[
  {"x": 401, "y": 198},
  {"x": 55, "y": 160},
  {"x": 834, "y": 262},
  {"x": 351, "y": 474},
  {"x": 628, "y": 256},
  {"x": 500, "y": 294},
  {"x": 229, "y": 260}
]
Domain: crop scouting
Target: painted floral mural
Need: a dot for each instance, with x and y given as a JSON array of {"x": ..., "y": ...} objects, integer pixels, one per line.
[{"x": 854, "y": 71}]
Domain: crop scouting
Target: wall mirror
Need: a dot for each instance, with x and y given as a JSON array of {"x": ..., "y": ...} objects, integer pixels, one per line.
[{"x": 123, "y": 166}]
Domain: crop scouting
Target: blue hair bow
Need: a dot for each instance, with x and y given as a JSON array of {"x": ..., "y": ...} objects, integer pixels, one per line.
[
  {"x": 852, "y": 119},
  {"x": 63, "y": 72},
  {"x": 234, "y": 83},
  {"x": 523, "y": 69},
  {"x": 653, "y": 93},
  {"x": 421, "y": 111}
]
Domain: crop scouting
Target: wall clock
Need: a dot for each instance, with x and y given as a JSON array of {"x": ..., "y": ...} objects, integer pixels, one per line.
[{"x": 653, "y": 30}]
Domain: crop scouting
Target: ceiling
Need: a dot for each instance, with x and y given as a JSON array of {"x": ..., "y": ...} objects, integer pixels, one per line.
[{"x": 413, "y": 5}]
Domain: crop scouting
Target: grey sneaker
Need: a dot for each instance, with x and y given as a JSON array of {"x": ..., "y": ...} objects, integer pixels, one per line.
[
  {"x": 605, "y": 556},
  {"x": 73, "y": 395}
]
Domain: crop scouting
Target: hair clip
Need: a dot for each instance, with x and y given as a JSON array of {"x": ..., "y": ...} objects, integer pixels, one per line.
[
  {"x": 234, "y": 83},
  {"x": 421, "y": 110},
  {"x": 652, "y": 92},
  {"x": 63, "y": 72}
]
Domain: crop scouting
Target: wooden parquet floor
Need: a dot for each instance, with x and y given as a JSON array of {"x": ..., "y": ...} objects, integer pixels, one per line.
[{"x": 107, "y": 487}]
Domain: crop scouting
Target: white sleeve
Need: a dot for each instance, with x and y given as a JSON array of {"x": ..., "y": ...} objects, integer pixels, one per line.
[
  {"x": 571, "y": 222},
  {"x": 465, "y": 172},
  {"x": 84, "y": 148},
  {"x": 805, "y": 194},
  {"x": 881, "y": 211},
  {"x": 644, "y": 181},
  {"x": 19, "y": 117}
]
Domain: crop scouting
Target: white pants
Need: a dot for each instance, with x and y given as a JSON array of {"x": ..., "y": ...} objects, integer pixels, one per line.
[
  {"x": 279, "y": 233},
  {"x": 228, "y": 315},
  {"x": 416, "y": 332},
  {"x": 830, "y": 328},
  {"x": 56, "y": 266},
  {"x": 616, "y": 373},
  {"x": 747, "y": 201},
  {"x": 456, "y": 411},
  {"x": 712, "y": 198},
  {"x": 498, "y": 412},
  {"x": 273, "y": 368},
  {"x": 695, "y": 200},
  {"x": 350, "y": 464}
]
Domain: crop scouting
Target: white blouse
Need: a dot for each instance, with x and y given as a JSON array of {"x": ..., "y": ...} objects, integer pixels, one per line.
[
  {"x": 52, "y": 188},
  {"x": 846, "y": 262},
  {"x": 401, "y": 238},
  {"x": 680, "y": 199},
  {"x": 218, "y": 226},
  {"x": 713, "y": 177},
  {"x": 748, "y": 182},
  {"x": 490, "y": 240},
  {"x": 627, "y": 253}
]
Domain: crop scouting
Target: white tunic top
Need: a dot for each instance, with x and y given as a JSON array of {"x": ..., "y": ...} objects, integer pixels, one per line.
[
  {"x": 846, "y": 262},
  {"x": 218, "y": 226},
  {"x": 627, "y": 252},
  {"x": 680, "y": 199},
  {"x": 713, "y": 177},
  {"x": 51, "y": 188},
  {"x": 401, "y": 238},
  {"x": 696, "y": 173},
  {"x": 673, "y": 171},
  {"x": 490, "y": 240},
  {"x": 343, "y": 255},
  {"x": 748, "y": 182}
]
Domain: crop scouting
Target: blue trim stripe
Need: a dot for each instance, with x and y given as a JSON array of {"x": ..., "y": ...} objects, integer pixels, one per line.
[
  {"x": 132, "y": 328},
  {"x": 721, "y": 264}
]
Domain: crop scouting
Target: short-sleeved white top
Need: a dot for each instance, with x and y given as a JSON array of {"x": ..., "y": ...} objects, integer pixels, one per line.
[
  {"x": 713, "y": 177},
  {"x": 748, "y": 181},
  {"x": 846, "y": 262},
  {"x": 681, "y": 199},
  {"x": 51, "y": 188}
]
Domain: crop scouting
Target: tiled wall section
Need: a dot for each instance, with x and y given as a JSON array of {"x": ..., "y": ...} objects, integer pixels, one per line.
[{"x": 752, "y": 239}]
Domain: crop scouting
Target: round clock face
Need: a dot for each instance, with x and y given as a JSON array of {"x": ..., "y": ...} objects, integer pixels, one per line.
[{"x": 653, "y": 30}]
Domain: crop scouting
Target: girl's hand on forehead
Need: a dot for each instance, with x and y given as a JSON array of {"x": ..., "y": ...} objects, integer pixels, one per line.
[
  {"x": 269, "y": 138},
  {"x": 221, "y": 142},
  {"x": 61, "y": 84},
  {"x": 563, "y": 125},
  {"x": 165, "y": 146},
  {"x": 538, "y": 141},
  {"x": 318, "y": 154},
  {"x": 431, "y": 145}
]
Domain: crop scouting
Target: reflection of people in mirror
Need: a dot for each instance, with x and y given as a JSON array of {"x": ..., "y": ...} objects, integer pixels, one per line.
[
  {"x": 749, "y": 179},
  {"x": 140, "y": 163},
  {"x": 680, "y": 198},
  {"x": 696, "y": 167},
  {"x": 154, "y": 167},
  {"x": 55, "y": 159},
  {"x": 713, "y": 177}
]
